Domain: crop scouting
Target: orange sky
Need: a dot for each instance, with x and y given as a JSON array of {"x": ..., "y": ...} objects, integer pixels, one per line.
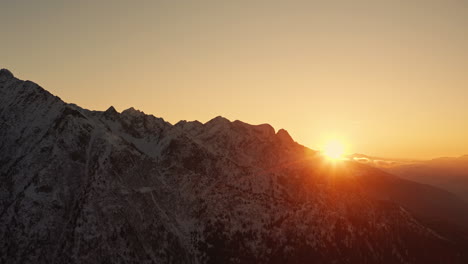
[{"x": 389, "y": 78}]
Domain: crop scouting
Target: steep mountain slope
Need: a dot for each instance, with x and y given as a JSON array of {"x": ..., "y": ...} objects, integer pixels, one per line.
[
  {"x": 439, "y": 198},
  {"x": 80, "y": 186},
  {"x": 424, "y": 201}
]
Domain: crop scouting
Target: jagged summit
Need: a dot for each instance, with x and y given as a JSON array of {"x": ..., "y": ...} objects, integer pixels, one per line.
[
  {"x": 111, "y": 109},
  {"x": 218, "y": 120},
  {"x": 5, "y": 73},
  {"x": 133, "y": 112},
  {"x": 111, "y": 113},
  {"x": 265, "y": 129},
  {"x": 184, "y": 123},
  {"x": 284, "y": 135}
]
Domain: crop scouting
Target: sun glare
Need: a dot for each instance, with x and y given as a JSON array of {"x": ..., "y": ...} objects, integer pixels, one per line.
[{"x": 333, "y": 150}]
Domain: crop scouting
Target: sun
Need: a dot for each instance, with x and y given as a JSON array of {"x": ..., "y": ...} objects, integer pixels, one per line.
[{"x": 333, "y": 149}]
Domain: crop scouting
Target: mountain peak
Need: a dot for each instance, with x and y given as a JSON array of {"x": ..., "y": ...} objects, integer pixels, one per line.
[
  {"x": 284, "y": 136},
  {"x": 132, "y": 112},
  {"x": 4, "y": 73},
  {"x": 218, "y": 120},
  {"x": 111, "y": 110},
  {"x": 185, "y": 122},
  {"x": 265, "y": 129}
]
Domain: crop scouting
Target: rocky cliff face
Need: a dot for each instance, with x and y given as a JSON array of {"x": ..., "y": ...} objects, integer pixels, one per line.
[{"x": 81, "y": 186}]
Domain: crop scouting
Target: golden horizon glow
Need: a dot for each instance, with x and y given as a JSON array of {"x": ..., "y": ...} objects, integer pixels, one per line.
[
  {"x": 390, "y": 75},
  {"x": 333, "y": 150}
]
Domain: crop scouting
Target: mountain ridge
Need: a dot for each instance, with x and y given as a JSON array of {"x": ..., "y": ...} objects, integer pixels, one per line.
[
  {"x": 82, "y": 186},
  {"x": 448, "y": 173}
]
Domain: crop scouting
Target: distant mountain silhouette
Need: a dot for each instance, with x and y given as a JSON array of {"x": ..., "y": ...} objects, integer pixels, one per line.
[{"x": 448, "y": 173}]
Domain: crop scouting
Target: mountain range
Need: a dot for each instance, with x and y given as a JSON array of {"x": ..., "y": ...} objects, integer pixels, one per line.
[
  {"x": 448, "y": 173},
  {"x": 82, "y": 186}
]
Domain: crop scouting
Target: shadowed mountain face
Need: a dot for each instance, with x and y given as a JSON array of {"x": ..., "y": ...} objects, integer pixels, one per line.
[
  {"x": 448, "y": 173},
  {"x": 444, "y": 209},
  {"x": 80, "y": 186}
]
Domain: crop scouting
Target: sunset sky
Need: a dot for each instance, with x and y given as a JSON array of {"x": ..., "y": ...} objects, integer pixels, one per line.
[{"x": 387, "y": 78}]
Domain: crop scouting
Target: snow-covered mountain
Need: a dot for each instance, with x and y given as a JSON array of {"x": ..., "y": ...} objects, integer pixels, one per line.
[{"x": 81, "y": 186}]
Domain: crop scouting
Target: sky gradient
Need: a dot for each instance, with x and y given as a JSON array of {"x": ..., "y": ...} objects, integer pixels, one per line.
[{"x": 388, "y": 78}]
